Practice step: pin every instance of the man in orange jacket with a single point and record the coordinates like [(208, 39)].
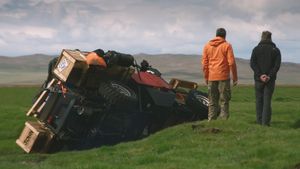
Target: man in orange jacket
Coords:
[(217, 61)]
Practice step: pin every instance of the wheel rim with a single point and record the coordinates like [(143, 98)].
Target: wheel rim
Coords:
[(121, 89), (202, 99)]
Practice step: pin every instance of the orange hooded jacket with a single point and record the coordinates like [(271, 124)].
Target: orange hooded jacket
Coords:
[(218, 60)]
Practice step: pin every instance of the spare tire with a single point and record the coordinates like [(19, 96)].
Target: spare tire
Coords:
[(118, 94), (198, 102)]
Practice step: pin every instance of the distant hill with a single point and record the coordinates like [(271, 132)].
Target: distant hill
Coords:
[(188, 67), (32, 69)]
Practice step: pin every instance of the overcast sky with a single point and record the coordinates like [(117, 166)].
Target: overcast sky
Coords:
[(146, 26)]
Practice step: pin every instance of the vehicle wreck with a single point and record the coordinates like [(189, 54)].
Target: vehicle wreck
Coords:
[(84, 106)]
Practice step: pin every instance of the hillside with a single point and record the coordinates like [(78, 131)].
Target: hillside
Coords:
[(32, 69), (234, 144)]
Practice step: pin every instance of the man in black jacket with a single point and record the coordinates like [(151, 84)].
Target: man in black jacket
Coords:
[(265, 62)]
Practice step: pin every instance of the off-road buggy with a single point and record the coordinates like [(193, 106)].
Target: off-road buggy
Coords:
[(86, 106)]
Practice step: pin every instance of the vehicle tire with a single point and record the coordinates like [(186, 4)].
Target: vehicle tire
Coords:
[(118, 94), (197, 101)]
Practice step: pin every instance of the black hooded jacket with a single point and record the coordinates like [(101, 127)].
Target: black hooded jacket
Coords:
[(265, 59)]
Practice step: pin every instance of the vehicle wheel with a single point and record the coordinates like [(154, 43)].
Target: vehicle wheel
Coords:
[(118, 94), (197, 101)]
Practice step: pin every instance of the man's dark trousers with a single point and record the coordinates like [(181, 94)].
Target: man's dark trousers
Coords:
[(263, 93)]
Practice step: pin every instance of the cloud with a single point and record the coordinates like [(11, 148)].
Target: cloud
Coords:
[(140, 26), (28, 32)]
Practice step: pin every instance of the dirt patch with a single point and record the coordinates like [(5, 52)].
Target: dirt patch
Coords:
[(202, 129), (297, 166), (34, 160)]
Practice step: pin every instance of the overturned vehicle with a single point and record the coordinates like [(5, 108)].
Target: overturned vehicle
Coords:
[(84, 105)]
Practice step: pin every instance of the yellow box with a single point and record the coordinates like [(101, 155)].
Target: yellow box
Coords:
[(35, 138), (71, 66)]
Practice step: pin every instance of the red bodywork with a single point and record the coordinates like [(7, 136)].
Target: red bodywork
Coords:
[(150, 80)]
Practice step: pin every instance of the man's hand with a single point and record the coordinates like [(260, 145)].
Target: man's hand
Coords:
[(267, 79), (264, 78)]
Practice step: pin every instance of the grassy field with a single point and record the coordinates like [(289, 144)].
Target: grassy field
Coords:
[(234, 144)]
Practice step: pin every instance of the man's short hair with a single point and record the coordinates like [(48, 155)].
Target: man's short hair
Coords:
[(266, 35), (221, 32)]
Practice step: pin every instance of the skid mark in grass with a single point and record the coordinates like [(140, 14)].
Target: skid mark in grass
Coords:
[(297, 166), (202, 129), (35, 160)]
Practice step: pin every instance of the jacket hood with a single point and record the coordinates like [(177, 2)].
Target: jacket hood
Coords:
[(217, 41), (266, 42)]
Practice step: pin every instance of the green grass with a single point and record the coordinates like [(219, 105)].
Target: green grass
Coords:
[(237, 143)]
